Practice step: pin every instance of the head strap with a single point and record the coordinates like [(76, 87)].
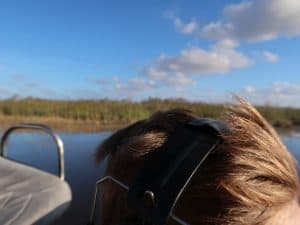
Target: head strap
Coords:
[(169, 170)]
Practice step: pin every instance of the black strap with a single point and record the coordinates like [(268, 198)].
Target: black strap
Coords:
[(168, 171)]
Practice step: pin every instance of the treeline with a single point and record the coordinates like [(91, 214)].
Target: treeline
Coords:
[(113, 112)]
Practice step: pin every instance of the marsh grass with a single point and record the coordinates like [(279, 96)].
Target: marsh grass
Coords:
[(95, 115)]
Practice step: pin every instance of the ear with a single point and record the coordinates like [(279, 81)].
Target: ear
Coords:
[(111, 144)]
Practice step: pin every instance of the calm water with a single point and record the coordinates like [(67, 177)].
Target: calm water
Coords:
[(81, 172)]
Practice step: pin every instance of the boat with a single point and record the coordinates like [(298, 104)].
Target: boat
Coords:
[(28, 195)]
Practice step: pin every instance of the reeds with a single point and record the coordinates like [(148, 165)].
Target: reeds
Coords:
[(108, 112)]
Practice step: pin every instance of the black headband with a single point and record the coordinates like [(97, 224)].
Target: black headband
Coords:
[(169, 170)]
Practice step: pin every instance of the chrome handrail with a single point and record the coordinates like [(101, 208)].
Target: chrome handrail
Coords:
[(124, 186), (40, 127), (100, 181)]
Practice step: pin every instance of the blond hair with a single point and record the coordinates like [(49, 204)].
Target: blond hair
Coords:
[(244, 181)]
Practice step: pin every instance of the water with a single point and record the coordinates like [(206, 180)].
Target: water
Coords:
[(81, 172), (292, 141)]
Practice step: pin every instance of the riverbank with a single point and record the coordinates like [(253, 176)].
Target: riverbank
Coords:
[(70, 125), (101, 115), (60, 124)]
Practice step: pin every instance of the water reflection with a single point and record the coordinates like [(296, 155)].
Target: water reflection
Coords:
[(81, 172)]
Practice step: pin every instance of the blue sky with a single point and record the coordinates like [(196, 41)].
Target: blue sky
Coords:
[(198, 50)]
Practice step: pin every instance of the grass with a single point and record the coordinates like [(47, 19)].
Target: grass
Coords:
[(95, 115)]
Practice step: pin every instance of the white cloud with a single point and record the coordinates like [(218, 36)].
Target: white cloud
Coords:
[(138, 84), (98, 81), (4, 93), (216, 30), (256, 20), (117, 83), (187, 28), (270, 57), (18, 77), (249, 90), (155, 74), (31, 85), (278, 93), (219, 58), (177, 79), (284, 94), (184, 28), (133, 85)]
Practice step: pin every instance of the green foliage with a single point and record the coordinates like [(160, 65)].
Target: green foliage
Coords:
[(124, 111)]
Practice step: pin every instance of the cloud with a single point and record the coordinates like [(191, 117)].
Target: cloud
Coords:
[(24, 80), (283, 94), (176, 70), (98, 81), (270, 57), (184, 28), (31, 84), (176, 79), (138, 84), (124, 88), (4, 92), (278, 93), (18, 77), (133, 85), (256, 20), (179, 80)]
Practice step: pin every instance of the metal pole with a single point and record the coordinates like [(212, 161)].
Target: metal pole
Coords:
[(42, 128)]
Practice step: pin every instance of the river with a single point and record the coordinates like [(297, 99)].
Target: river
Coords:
[(81, 172)]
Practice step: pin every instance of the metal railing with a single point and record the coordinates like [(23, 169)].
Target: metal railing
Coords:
[(106, 178), (38, 127), (125, 187)]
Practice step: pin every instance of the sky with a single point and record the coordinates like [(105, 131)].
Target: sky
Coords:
[(196, 50)]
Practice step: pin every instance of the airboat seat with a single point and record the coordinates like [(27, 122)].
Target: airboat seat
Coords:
[(29, 196)]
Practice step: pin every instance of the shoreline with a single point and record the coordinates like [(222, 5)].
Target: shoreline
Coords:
[(60, 124), (105, 114), (72, 126)]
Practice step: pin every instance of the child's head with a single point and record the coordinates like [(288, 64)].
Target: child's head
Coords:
[(250, 179)]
